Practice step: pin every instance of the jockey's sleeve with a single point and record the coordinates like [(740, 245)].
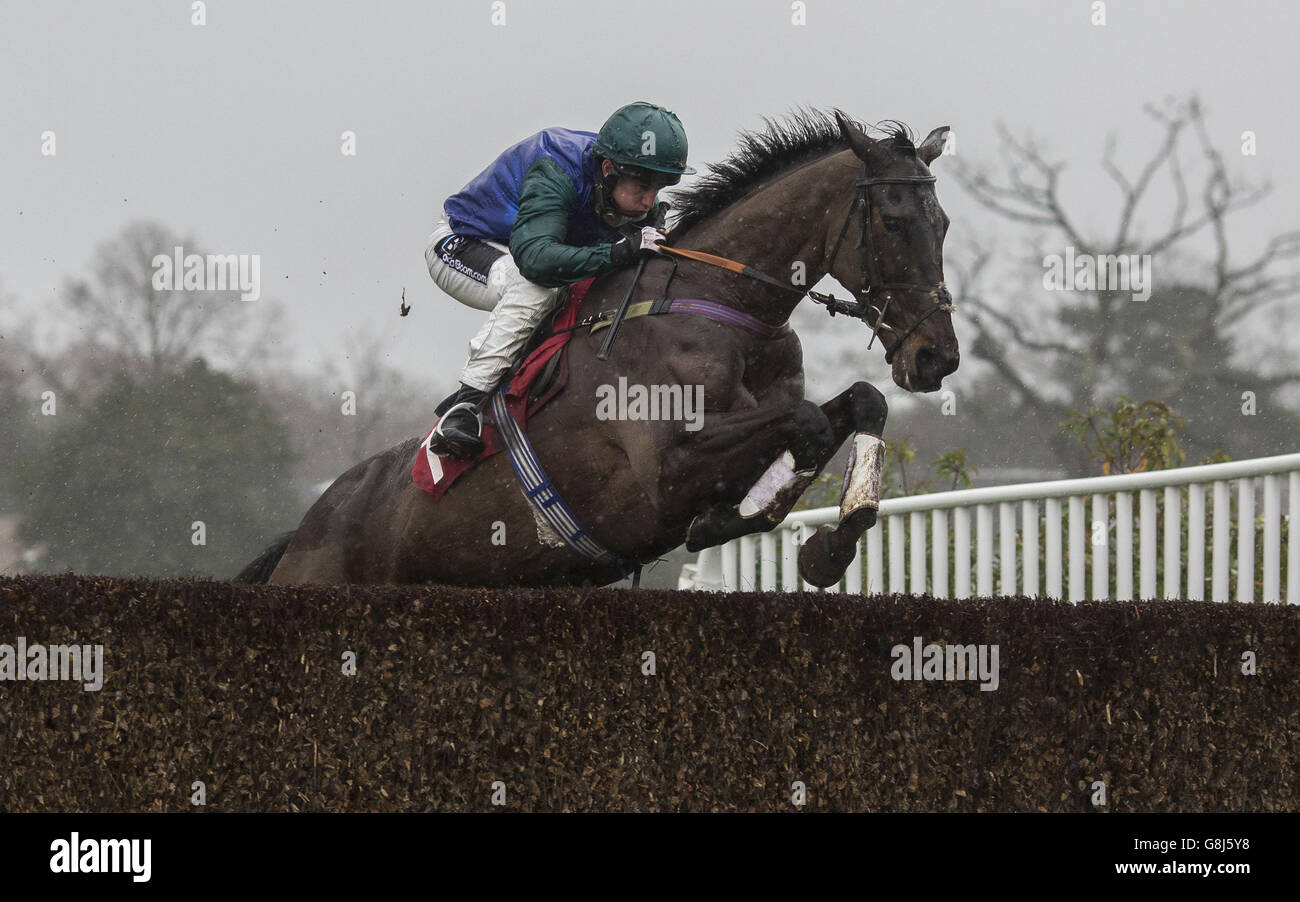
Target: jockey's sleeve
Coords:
[(546, 199)]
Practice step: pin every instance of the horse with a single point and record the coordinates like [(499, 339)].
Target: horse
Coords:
[(783, 203)]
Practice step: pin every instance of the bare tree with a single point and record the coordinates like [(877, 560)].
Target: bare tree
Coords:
[(128, 323), (1087, 346)]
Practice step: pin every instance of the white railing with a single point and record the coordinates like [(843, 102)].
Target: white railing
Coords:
[(1172, 550)]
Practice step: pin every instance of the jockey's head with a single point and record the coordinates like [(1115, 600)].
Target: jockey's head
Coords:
[(639, 150)]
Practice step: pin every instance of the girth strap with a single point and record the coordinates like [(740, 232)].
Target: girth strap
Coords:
[(544, 498), (697, 307)]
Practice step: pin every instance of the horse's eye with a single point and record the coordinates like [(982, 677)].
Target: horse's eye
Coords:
[(893, 223)]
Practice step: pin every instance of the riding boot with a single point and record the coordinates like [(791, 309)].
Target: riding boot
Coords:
[(458, 433)]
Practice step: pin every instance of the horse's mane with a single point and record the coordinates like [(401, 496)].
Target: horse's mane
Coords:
[(797, 138)]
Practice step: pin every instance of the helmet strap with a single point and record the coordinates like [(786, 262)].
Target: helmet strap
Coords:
[(604, 190)]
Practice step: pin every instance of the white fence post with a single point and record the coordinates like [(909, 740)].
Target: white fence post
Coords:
[(790, 536), (746, 576), (1029, 521), (897, 543), (1196, 542), (1100, 541), (876, 559), (1124, 546), (916, 533), (1173, 541), (1292, 542), (939, 553), (1007, 548), (853, 576), (984, 550), (1078, 592), (961, 552), (1147, 544), (767, 560), (1219, 576), (729, 567), (1245, 539), (1272, 541), (1053, 529)]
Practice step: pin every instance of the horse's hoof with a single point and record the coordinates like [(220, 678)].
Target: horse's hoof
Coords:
[(695, 538), (706, 530), (819, 563)]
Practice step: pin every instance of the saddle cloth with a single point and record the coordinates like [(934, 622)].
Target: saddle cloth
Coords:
[(434, 474)]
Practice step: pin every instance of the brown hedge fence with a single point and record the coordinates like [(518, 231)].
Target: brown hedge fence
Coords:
[(544, 700)]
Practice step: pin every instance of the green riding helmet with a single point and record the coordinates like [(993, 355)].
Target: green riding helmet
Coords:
[(642, 136)]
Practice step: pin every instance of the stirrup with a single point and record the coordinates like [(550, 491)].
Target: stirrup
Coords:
[(462, 446), (463, 405)]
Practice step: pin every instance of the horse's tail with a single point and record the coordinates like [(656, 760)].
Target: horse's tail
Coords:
[(260, 570)]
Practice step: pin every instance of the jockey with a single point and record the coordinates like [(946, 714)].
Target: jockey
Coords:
[(554, 209)]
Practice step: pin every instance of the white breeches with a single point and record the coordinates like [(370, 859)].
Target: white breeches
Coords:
[(518, 306)]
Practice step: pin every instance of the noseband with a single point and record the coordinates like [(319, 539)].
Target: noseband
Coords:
[(869, 263)]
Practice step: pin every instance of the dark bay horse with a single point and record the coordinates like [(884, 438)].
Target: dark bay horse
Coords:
[(810, 195)]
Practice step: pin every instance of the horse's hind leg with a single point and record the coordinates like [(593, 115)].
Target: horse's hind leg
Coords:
[(862, 410), (321, 566)]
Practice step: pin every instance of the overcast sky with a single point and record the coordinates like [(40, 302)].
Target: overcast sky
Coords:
[(231, 131)]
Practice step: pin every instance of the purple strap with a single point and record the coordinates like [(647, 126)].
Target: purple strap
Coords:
[(728, 315)]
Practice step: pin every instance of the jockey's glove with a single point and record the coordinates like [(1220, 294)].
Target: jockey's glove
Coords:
[(651, 238), (637, 242), (640, 242)]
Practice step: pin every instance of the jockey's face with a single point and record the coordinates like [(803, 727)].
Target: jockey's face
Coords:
[(634, 197)]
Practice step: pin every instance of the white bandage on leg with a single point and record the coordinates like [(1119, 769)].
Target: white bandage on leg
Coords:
[(862, 475), (773, 490)]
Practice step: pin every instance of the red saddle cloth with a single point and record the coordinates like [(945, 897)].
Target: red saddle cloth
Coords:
[(434, 474)]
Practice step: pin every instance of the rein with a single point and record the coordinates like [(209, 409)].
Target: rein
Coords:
[(869, 264)]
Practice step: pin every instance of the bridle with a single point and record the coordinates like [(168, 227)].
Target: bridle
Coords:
[(869, 263)]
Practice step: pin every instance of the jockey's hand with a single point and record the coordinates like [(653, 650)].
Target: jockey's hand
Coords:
[(637, 242), (622, 252), (651, 239)]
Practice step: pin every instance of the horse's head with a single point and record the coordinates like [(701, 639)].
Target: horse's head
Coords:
[(895, 267)]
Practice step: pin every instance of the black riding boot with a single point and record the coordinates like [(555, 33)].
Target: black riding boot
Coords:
[(457, 433)]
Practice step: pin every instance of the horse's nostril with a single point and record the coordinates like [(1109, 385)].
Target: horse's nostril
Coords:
[(925, 361), (950, 359), (933, 364)]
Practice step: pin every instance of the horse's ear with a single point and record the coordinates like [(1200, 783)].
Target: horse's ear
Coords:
[(856, 137), (933, 145)]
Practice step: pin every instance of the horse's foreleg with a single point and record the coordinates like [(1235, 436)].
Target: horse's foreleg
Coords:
[(815, 435), (811, 442), (861, 410)]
